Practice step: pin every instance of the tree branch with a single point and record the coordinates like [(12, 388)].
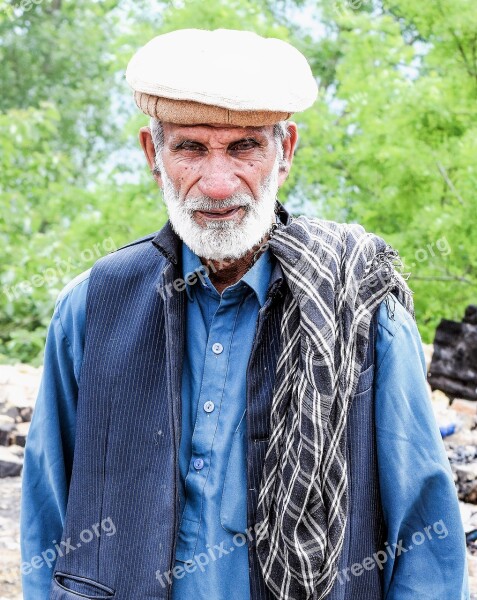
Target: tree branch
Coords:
[(448, 180), (471, 72)]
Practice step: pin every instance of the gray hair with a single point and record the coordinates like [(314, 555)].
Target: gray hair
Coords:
[(280, 133), (157, 133)]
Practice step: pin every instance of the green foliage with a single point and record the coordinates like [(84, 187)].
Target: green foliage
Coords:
[(390, 143), (62, 208), (60, 52), (50, 228)]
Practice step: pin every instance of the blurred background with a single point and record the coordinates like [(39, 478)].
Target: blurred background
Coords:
[(391, 143)]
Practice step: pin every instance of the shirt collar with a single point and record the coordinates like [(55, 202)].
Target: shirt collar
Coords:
[(257, 277)]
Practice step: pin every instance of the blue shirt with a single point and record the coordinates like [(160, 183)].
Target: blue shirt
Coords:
[(219, 331), (426, 541)]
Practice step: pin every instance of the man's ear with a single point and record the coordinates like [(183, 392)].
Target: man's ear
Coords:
[(289, 145), (145, 139)]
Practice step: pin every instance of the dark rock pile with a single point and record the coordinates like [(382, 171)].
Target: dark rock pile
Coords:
[(454, 363), (18, 390)]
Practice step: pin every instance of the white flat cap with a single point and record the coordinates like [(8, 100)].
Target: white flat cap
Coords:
[(192, 76)]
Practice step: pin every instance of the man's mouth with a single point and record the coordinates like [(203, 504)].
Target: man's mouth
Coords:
[(219, 213)]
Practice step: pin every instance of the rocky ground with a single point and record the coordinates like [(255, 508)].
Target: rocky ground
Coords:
[(18, 389), (9, 538)]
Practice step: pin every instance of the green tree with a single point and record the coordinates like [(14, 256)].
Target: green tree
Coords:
[(391, 143), (63, 202)]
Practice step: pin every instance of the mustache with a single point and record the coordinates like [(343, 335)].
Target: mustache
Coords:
[(206, 203)]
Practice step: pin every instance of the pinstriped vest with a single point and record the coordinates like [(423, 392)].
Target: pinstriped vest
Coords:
[(125, 465)]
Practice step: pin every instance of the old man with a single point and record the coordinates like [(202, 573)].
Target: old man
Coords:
[(235, 406)]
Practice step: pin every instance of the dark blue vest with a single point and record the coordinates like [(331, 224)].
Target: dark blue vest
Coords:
[(125, 466)]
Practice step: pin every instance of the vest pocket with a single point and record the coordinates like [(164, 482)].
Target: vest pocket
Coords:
[(365, 381), (69, 587), (233, 504)]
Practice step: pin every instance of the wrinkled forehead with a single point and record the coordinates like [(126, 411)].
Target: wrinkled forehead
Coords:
[(212, 131)]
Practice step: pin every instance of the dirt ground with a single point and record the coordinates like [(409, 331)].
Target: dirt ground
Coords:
[(10, 584)]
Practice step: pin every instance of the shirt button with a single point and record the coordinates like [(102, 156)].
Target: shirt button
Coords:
[(209, 406), (217, 348), (198, 463)]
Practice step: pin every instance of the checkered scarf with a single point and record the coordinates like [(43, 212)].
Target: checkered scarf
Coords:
[(337, 275)]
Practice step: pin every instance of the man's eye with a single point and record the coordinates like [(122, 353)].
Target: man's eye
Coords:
[(244, 145), (190, 146)]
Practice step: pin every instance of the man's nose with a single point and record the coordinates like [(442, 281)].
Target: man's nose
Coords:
[(218, 180)]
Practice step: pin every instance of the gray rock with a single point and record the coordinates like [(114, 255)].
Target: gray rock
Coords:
[(26, 413), (10, 464), (7, 424), (466, 482), (454, 362), (9, 410), (19, 434)]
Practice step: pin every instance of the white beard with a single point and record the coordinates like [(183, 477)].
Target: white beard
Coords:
[(220, 240)]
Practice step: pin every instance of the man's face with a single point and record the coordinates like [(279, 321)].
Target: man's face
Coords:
[(220, 186)]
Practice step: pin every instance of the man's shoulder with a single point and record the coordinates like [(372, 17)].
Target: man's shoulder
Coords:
[(392, 315), (142, 240), (76, 289), (317, 224), (127, 253), (394, 321)]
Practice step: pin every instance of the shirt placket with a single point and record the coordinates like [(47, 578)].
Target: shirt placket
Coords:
[(208, 409)]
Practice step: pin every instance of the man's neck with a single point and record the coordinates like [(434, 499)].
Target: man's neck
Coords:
[(226, 272)]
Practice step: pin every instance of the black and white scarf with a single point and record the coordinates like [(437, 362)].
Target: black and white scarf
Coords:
[(337, 275)]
